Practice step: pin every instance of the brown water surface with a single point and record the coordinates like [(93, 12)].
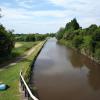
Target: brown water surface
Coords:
[(63, 74)]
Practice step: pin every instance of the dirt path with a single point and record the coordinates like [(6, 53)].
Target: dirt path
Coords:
[(18, 59)]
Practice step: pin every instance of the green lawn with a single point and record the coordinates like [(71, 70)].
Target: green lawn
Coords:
[(10, 76), (20, 49)]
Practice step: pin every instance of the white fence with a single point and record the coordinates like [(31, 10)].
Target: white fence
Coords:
[(27, 90)]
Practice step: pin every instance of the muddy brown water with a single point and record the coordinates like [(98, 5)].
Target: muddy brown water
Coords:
[(61, 73)]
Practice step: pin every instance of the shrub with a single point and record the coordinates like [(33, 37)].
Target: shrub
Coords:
[(77, 41), (97, 54)]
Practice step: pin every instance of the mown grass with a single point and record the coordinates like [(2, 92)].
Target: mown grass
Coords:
[(10, 76), (24, 46), (28, 69), (18, 51)]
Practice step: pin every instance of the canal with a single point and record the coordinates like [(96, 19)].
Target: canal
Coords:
[(60, 73)]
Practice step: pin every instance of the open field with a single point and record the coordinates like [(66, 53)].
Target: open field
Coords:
[(10, 76), (21, 47), (19, 50)]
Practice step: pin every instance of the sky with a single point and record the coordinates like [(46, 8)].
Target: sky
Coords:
[(43, 16)]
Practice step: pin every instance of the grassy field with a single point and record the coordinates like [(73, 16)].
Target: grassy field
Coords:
[(10, 76), (20, 49)]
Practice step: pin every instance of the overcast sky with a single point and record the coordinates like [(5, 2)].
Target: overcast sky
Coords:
[(42, 16)]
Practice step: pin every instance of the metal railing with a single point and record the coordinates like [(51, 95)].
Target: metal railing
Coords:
[(27, 90)]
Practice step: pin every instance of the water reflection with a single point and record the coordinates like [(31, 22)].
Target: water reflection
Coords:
[(79, 61), (60, 72), (75, 59)]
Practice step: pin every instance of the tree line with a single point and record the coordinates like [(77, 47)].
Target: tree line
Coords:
[(32, 37), (8, 39), (86, 40)]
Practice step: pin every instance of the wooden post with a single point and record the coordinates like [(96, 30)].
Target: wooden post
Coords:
[(25, 92)]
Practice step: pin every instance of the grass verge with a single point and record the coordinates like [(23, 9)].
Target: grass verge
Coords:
[(24, 46), (10, 76), (18, 51)]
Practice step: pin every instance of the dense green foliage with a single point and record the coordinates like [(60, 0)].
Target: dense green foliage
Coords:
[(60, 33), (32, 37), (6, 41), (86, 40)]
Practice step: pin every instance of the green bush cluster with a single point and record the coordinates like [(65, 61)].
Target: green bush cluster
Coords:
[(32, 37), (86, 40)]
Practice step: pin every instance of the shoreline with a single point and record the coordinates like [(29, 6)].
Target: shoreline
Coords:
[(65, 43), (29, 71)]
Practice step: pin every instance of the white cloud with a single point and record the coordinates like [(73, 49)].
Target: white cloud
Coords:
[(20, 13), (25, 3), (87, 12), (23, 20), (9, 13), (58, 2)]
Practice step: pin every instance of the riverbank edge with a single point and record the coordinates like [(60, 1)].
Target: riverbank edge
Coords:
[(28, 72), (67, 44)]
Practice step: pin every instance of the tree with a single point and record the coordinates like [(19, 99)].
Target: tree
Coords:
[(70, 28), (77, 41), (73, 25), (96, 35), (6, 41), (30, 37), (91, 30), (39, 37), (60, 33)]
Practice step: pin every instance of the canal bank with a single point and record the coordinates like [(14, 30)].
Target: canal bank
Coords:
[(26, 71), (60, 73), (82, 51)]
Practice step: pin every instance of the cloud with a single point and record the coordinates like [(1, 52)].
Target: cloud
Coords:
[(13, 13), (58, 2), (24, 3), (23, 14), (23, 20)]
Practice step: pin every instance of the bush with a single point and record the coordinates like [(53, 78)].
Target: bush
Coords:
[(77, 41), (97, 54)]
